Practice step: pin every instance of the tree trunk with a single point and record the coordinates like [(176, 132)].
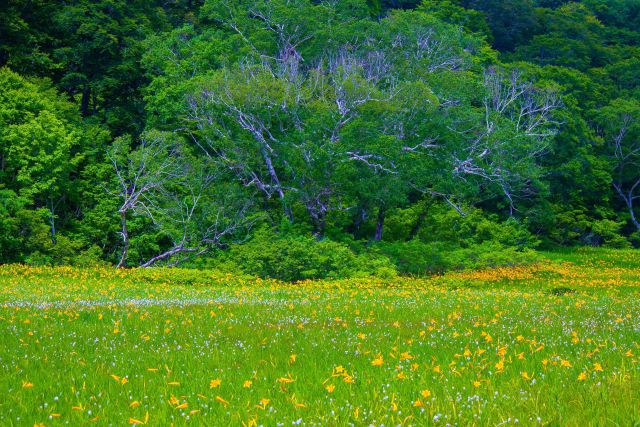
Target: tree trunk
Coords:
[(319, 225), (288, 212), (357, 222), (628, 200), (379, 225), (276, 180), (94, 102), (86, 99), (168, 254), (125, 238), (52, 222), (418, 224), (634, 219)]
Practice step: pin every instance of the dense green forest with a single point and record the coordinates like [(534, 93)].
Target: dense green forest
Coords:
[(301, 139)]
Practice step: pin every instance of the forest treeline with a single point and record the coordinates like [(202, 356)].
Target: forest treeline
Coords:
[(300, 139)]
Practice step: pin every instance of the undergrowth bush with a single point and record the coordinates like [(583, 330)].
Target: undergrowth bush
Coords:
[(475, 228), (420, 258), (294, 257), (450, 241)]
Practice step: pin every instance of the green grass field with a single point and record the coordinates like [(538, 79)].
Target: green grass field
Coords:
[(556, 343)]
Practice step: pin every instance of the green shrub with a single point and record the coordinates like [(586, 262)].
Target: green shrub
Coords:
[(605, 232), (66, 251), (420, 258), (450, 241), (445, 224), (90, 257), (292, 257)]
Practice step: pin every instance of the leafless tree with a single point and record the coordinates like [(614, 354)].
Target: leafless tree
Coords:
[(276, 116), (142, 174), (196, 219), (627, 164), (158, 181), (530, 108), (494, 155)]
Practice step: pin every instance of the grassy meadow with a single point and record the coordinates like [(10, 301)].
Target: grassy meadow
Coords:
[(554, 343)]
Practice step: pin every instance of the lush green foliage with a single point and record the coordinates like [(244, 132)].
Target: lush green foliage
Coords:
[(295, 257), (46, 153), (367, 125), (550, 344)]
